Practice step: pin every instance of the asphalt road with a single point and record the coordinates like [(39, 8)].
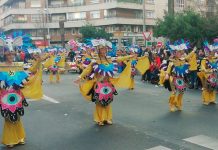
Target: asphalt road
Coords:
[(141, 121)]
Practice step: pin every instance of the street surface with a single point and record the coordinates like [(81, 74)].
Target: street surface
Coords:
[(63, 121)]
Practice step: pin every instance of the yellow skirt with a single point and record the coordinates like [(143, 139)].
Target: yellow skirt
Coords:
[(102, 114), (208, 96), (13, 133), (162, 78)]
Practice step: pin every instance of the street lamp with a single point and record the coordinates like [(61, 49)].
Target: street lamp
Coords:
[(144, 21), (46, 13)]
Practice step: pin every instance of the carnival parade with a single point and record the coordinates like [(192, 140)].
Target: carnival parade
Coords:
[(111, 86)]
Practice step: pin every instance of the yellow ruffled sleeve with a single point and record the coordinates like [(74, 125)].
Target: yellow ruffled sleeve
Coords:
[(124, 79), (49, 62), (33, 88), (143, 64), (86, 85)]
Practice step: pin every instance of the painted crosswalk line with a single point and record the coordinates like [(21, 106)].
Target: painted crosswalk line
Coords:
[(204, 141), (159, 148)]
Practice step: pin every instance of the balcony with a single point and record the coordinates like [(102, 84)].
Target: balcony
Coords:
[(80, 23)]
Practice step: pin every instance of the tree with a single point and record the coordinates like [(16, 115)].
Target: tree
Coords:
[(89, 31), (189, 25)]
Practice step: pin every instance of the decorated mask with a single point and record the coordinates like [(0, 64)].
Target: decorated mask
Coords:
[(211, 82), (179, 84), (104, 93), (11, 103)]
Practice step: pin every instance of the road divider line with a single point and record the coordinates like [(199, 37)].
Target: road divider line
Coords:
[(159, 148), (50, 99), (204, 141)]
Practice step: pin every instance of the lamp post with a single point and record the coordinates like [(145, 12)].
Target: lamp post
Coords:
[(45, 20), (144, 21)]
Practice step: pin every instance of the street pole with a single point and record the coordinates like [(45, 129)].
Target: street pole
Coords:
[(48, 29), (144, 21)]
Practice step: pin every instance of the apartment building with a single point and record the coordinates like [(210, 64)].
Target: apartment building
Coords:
[(41, 18), (123, 18), (205, 7)]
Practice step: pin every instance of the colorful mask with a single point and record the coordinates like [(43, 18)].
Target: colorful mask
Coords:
[(11, 103), (104, 93), (179, 84), (211, 82)]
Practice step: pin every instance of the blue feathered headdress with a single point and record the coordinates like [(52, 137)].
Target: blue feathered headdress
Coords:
[(178, 45)]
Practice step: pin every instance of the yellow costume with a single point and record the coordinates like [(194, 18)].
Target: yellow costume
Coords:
[(13, 132), (54, 65), (176, 71), (104, 113), (142, 64), (207, 71)]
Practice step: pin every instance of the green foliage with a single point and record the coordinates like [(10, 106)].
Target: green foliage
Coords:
[(189, 25), (89, 31)]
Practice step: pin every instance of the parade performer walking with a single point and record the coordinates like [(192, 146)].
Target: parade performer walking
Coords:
[(98, 81), (136, 64), (209, 66), (16, 86), (177, 68), (54, 63)]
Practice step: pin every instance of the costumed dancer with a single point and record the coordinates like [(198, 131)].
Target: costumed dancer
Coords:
[(98, 81), (209, 66), (177, 68), (16, 86), (136, 64), (54, 64)]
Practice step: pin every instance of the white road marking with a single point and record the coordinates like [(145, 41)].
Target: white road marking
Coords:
[(159, 148), (50, 99), (205, 141)]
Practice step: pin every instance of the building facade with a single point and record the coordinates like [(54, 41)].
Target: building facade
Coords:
[(123, 18), (40, 18)]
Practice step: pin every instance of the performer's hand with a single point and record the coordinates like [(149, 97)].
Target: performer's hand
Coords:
[(77, 81), (167, 77), (195, 48)]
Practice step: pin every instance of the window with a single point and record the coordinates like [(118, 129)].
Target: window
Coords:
[(95, 14), (94, 1), (108, 1), (58, 17), (35, 3), (150, 1), (180, 3), (36, 18), (77, 16), (105, 13), (77, 2), (150, 14)]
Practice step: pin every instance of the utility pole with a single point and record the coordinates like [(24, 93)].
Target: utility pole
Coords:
[(48, 21), (61, 24), (171, 7), (144, 21)]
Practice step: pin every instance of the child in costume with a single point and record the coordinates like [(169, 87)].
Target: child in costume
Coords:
[(98, 81), (16, 85), (209, 66), (176, 71), (54, 64)]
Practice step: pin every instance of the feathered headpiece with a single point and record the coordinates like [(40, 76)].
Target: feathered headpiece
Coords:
[(178, 45), (9, 44), (101, 43), (213, 47)]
